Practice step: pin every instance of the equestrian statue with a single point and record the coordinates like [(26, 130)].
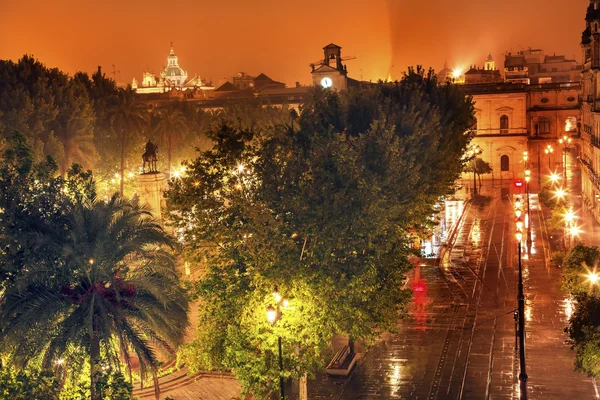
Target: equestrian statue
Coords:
[(150, 157)]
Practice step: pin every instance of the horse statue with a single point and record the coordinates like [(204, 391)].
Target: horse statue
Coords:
[(150, 157)]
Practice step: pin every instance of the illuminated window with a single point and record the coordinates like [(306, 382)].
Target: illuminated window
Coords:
[(504, 124), (571, 124), (544, 125), (504, 163)]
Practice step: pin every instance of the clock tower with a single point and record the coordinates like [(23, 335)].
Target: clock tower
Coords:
[(330, 73)]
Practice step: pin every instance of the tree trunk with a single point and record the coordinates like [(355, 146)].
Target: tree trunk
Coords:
[(156, 384), (122, 163), (65, 165), (169, 154), (94, 359)]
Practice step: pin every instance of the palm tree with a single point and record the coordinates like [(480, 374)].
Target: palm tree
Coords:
[(109, 291), (171, 127), (78, 144), (128, 118)]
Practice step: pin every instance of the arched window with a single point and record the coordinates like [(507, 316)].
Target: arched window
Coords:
[(504, 163), (544, 125), (504, 124)]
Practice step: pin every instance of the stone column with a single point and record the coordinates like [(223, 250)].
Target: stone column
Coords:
[(150, 190)]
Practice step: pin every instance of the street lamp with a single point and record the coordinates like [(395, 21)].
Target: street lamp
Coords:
[(527, 179), (565, 141), (272, 315), (521, 311), (549, 150), (554, 178), (560, 193)]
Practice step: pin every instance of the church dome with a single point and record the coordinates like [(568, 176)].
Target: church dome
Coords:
[(174, 73)]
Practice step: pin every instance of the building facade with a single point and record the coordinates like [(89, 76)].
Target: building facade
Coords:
[(532, 66), (590, 109)]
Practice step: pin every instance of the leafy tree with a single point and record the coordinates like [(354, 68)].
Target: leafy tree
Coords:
[(578, 263), (100, 288), (26, 385), (479, 167), (29, 194), (73, 125), (171, 128), (27, 100), (584, 332), (584, 325), (129, 119), (321, 213)]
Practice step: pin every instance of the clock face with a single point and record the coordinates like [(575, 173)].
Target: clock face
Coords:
[(326, 82)]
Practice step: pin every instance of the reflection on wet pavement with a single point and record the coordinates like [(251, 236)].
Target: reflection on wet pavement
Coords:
[(458, 340)]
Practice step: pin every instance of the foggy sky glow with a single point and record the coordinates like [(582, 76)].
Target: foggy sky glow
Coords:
[(217, 39)]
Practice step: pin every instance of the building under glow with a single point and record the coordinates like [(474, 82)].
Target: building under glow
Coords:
[(172, 78)]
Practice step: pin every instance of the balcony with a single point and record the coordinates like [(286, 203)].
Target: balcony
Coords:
[(594, 178), (497, 132)]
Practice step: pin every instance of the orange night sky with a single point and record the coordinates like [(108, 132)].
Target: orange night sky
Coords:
[(216, 39)]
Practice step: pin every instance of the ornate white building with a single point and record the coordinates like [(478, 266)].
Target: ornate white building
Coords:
[(172, 78)]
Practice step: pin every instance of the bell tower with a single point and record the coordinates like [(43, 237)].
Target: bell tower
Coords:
[(333, 56), (490, 65)]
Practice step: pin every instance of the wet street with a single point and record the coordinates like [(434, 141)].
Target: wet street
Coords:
[(458, 340)]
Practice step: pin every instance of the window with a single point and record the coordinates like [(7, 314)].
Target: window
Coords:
[(544, 125), (504, 163), (571, 124), (504, 124)]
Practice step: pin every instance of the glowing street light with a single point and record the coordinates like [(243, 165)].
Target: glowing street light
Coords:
[(593, 277), (271, 314), (554, 177), (519, 236), (519, 224), (570, 216), (560, 193)]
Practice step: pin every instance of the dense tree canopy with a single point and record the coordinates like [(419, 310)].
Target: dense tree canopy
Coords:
[(322, 214), (89, 281)]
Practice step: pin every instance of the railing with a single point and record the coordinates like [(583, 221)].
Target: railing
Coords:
[(500, 132)]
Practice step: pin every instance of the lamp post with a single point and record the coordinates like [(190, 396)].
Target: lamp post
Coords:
[(521, 314), (549, 150), (273, 314), (565, 141), (521, 304), (527, 179)]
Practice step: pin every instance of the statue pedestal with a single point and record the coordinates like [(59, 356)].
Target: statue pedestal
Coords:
[(150, 190)]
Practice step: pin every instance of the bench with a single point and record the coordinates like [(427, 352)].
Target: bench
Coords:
[(342, 362)]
